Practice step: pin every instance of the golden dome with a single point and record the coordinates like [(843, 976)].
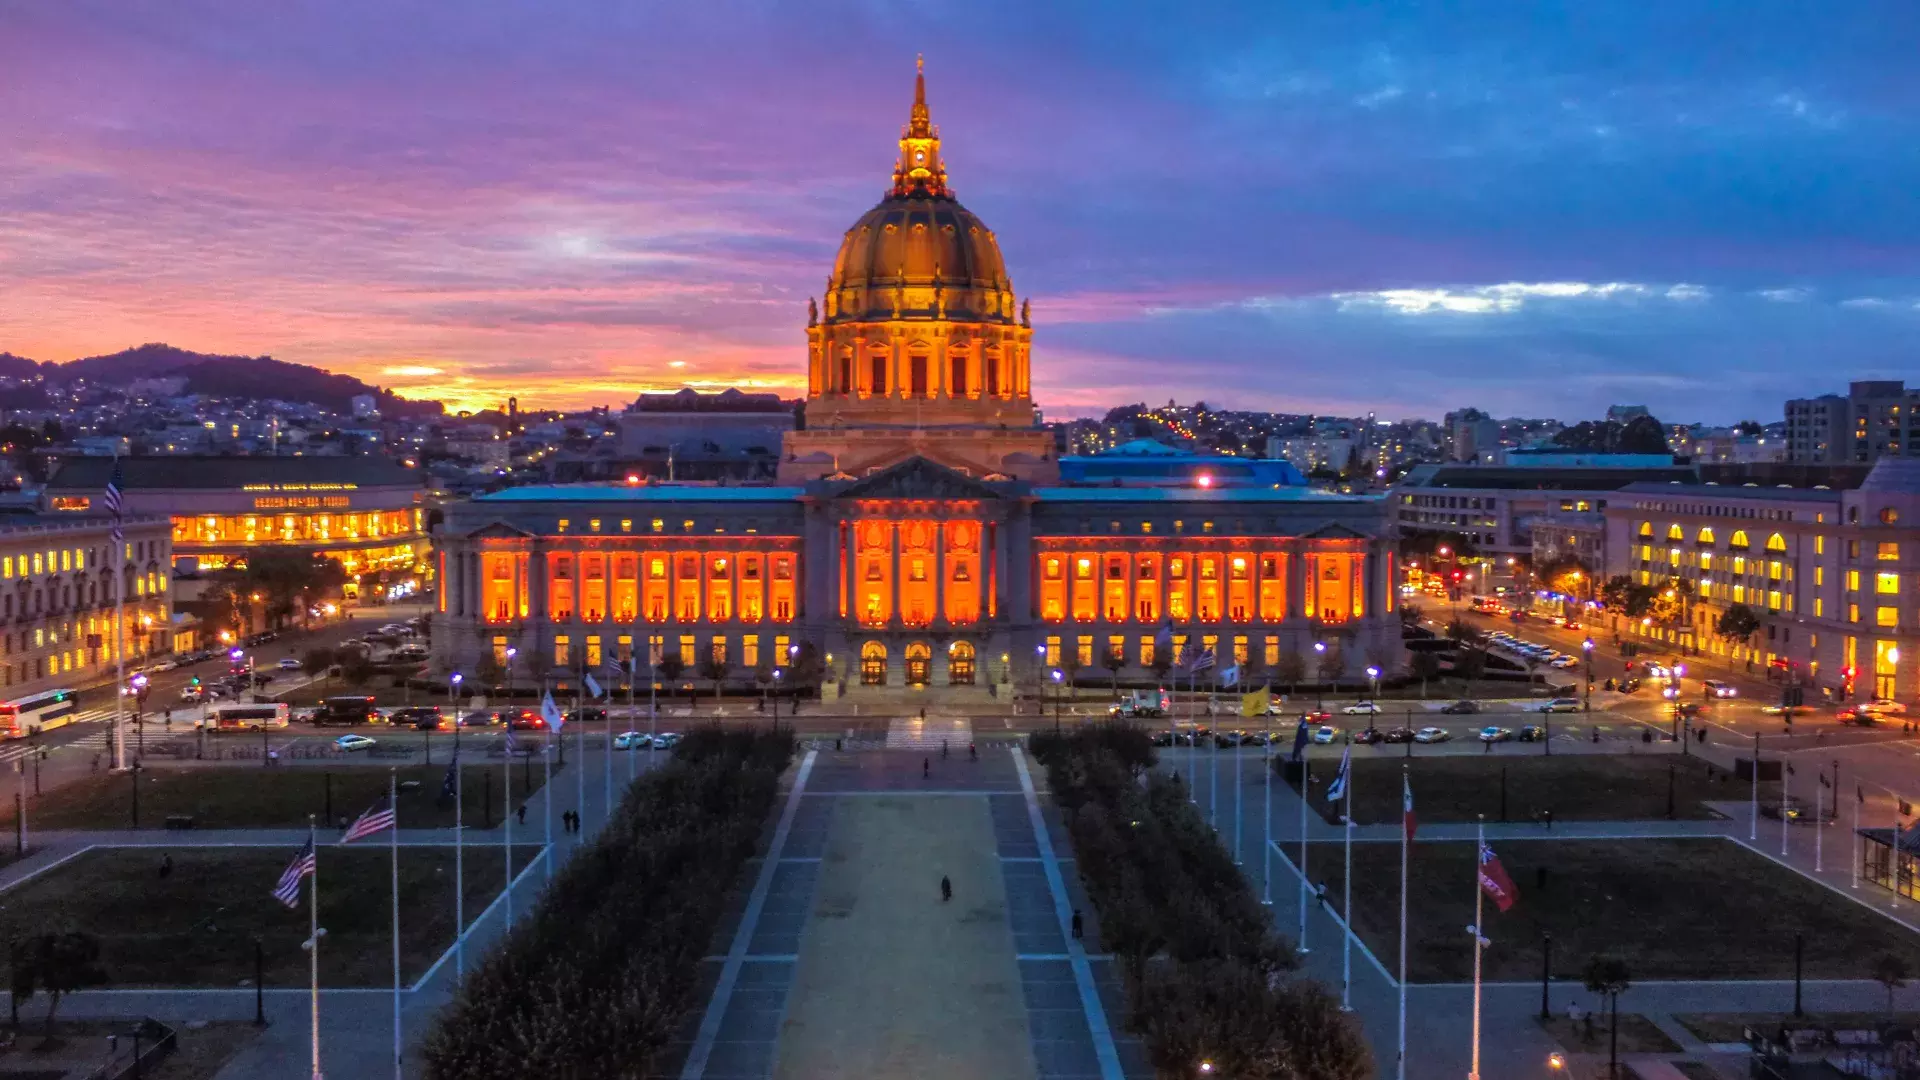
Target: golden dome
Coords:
[(919, 254)]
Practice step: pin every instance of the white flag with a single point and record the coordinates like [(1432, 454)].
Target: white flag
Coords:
[(1338, 789), (551, 713), (593, 687)]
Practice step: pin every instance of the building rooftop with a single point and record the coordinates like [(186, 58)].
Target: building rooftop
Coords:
[(1541, 479), (89, 474), (615, 493), (1734, 491), (1216, 495), (730, 400)]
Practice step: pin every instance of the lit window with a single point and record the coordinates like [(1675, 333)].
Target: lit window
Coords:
[(563, 524), (1886, 584), (1886, 616), (594, 525), (658, 525), (1853, 581), (626, 525)]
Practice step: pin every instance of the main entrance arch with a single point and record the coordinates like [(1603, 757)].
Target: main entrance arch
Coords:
[(960, 659), (873, 664), (919, 663)]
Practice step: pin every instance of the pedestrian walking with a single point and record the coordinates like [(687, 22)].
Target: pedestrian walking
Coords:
[(521, 813), (1077, 925), (943, 749), (166, 866), (1488, 744), (926, 768), (946, 889), (1547, 816), (973, 753)]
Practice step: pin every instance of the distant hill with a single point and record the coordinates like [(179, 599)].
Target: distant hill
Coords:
[(221, 376)]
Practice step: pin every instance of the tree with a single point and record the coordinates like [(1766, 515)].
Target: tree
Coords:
[(1642, 435), (488, 672), (1607, 976), (671, 666), (1410, 614), (1737, 624), (715, 667), (1331, 664), (1470, 664), (1070, 665), (1890, 971), (287, 579), (1426, 665), (1162, 663), (357, 670), (1291, 670), (1113, 659), (56, 962), (318, 662)]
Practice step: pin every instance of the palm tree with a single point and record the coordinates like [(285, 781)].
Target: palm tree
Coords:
[(1607, 976)]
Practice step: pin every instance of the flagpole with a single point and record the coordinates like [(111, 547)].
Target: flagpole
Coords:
[(506, 818), (1786, 782), (1479, 901), (120, 651), (1406, 841), (1305, 777), (393, 848), (1859, 797), (546, 770), (1753, 815), (1213, 784), (1817, 837), (313, 949), (580, 781), (1346, 903), (606, 767), (1193, 734), (1239, 772), (1266, 814), (633, 669)]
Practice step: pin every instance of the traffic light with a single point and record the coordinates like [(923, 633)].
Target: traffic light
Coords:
[(194, 681)]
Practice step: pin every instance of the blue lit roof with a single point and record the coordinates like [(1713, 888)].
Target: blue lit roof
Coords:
[(1286, 493), (617, 493)]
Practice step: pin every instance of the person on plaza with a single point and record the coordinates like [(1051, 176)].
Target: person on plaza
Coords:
[(521, 813), (1077, 924), (973, 753), (926, 768), (946, 889), (166, 865), (943, 749)]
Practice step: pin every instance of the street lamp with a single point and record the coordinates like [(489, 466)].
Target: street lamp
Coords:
[(1056, 700), (1373, 675), (1319, 693), (1586, 647), (511, 653)]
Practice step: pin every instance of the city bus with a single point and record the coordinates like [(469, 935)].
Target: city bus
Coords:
[(355, 709), (23, 716), (247, 717)]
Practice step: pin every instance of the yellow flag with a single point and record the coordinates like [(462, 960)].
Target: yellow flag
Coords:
[(1255, 704)]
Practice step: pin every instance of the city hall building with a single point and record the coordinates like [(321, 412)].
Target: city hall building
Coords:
[(921, 531)]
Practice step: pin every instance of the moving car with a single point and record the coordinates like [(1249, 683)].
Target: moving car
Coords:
[(192, 695), (1362, 708), (288, 663), (1495, 734), (1461, 708), (1431, 735), (1786, 710), (1325, 734), (1716, 688), (1882, 705), (1561, 704), (1397, 735), (1368, 736), (421, 718), (632, 740), (1531, 733), (666, 740), (591, 715), (350, 743), (524, 720)]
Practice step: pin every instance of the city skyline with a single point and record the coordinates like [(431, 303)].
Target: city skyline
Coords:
[(1537, 219)]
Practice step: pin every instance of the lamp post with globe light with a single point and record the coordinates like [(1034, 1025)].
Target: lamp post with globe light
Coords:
[(453, 703), (1319, 680), (1057, 694)]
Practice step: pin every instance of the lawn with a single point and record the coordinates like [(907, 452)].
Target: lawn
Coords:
[(1672, 909), (1638, 1035), (251, 797), (1729, 1027), (196, 926), (1576, 787)]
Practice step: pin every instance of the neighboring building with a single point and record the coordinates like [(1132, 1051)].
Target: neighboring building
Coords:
[(1471, 435), (923, 533), (692, 436), (57, 600), (1723, 446), (366, 512), (365, 407), (1833, 575), (1878, 418), (1495, 508), (1571, 534)]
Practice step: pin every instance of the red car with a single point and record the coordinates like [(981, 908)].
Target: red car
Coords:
[(524, 719)]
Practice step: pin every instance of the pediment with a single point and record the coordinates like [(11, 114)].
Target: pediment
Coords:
[(1334, 530), (498, 530), (918, 478)]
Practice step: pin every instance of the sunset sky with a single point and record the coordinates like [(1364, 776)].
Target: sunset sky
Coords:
[(1318, 206)]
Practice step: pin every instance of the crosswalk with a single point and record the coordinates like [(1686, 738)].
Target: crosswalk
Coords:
[(96, 736)]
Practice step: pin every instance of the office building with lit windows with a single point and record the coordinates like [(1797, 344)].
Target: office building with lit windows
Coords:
[(1833, 576), (57, 600), (921, 532), (366, 512)]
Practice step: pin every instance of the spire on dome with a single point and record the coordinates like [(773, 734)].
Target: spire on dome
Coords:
[(919, 170)]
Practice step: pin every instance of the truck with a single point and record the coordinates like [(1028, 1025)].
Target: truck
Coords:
[(1142, 704)]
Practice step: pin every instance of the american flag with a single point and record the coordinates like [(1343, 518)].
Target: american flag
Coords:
[(1203, 661), (377, 818), (112, 500), (302, 867)]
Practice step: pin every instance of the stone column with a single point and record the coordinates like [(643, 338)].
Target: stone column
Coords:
[(849, 580), (989, 571), (893, 532), (1297, 581), (940, 573)]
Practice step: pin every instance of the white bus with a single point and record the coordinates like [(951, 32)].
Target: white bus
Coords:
[(247, 717), (48, 709)]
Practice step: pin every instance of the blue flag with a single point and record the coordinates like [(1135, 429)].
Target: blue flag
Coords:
[(1300, 739), (1338, 789)]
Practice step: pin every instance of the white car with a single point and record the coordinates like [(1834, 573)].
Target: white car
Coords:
[(1563, 663), (1495, 734), (1325, 734), (1432, 734), (288, 663), (1882, 705), (632, 740), (666, 740), (350, 743), (1362, 708)]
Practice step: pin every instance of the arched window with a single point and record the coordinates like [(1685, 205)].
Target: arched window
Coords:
[(919, 663), (843, 372), (990, 365), (1706, 534), (960, 663), (1776, 542), (1739, 539), (873, 664), (1674, 532), (1646, 528)]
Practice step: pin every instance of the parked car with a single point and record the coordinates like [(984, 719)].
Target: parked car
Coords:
[(1531, 733), (590, 714), (1461, 708), (1368, 736), (1561, 704), (1432, 735), (1325, 734), (1795, 809), (1628, 686), (632, 740), (350, 743), (1362, 708), (1495, 734), (193, 695), (1397, 735), (666, 740)]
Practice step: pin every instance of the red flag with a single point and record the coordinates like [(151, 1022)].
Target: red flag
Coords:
[(1494, 879), (1407, 821)]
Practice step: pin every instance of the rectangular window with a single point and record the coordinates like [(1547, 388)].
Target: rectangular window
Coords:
[(1853, 581), (1083, 650), (1819, 608), (659, 525), (1853, 612), (1887, 551), (623, 649), (1146, 652), (1053, 650), (593, 651), (1886, 584), (1820, 545), (689, 652), (1819, 575), (750, 650), (1271, 653), (563, 525), (1886, 616), (562, 650)]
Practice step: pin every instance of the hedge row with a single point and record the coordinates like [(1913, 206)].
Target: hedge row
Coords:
[(601, 974), (1206, 976)]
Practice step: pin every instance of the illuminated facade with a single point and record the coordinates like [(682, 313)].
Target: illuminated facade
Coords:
[(922, 533), (365, 512), (57, 601)]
